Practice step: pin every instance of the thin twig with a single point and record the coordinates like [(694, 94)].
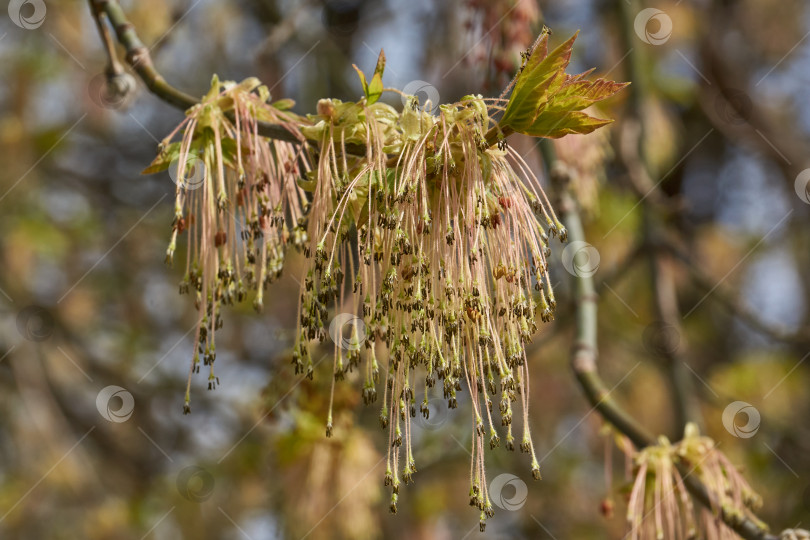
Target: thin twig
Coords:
[(138, 57), (724, 297), (114, 66)]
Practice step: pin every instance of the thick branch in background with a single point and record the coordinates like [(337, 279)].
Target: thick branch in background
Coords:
[(584, 364), (684, 401), (725, 297), (727, 93)]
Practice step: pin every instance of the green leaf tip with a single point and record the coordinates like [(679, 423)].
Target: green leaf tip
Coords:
[(374, 89), (547, 102)]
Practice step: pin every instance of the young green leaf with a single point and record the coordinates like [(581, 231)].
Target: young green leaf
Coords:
[(577, 93), (554, 125), (375, 87), (283, 104), (373, 90), (163, 159), (545, 101), (540, 78), (362, 76)]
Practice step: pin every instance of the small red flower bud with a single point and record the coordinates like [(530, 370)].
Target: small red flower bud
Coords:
[(606, 508)]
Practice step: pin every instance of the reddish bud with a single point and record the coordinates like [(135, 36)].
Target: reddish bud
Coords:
[(606, 508)]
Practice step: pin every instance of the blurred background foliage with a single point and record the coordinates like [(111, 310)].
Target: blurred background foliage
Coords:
[(719, 107)]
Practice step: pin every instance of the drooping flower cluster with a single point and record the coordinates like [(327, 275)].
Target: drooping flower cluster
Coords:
[(444, 231), (450, 269), (238, 199), (428, 227), (660, 506)]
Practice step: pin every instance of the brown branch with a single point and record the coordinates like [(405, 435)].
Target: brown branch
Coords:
[(668, 312), (655, 210), (637, 162), (139, 59), (727, 300), (114, 66), (755, 125)]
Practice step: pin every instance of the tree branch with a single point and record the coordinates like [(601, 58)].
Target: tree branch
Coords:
[(583, 362), (636, 159), (667, 310), (723, 296), (138, 57)]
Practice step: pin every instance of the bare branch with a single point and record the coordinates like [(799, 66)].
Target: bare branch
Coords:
[(138, 57), (723, 296)]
